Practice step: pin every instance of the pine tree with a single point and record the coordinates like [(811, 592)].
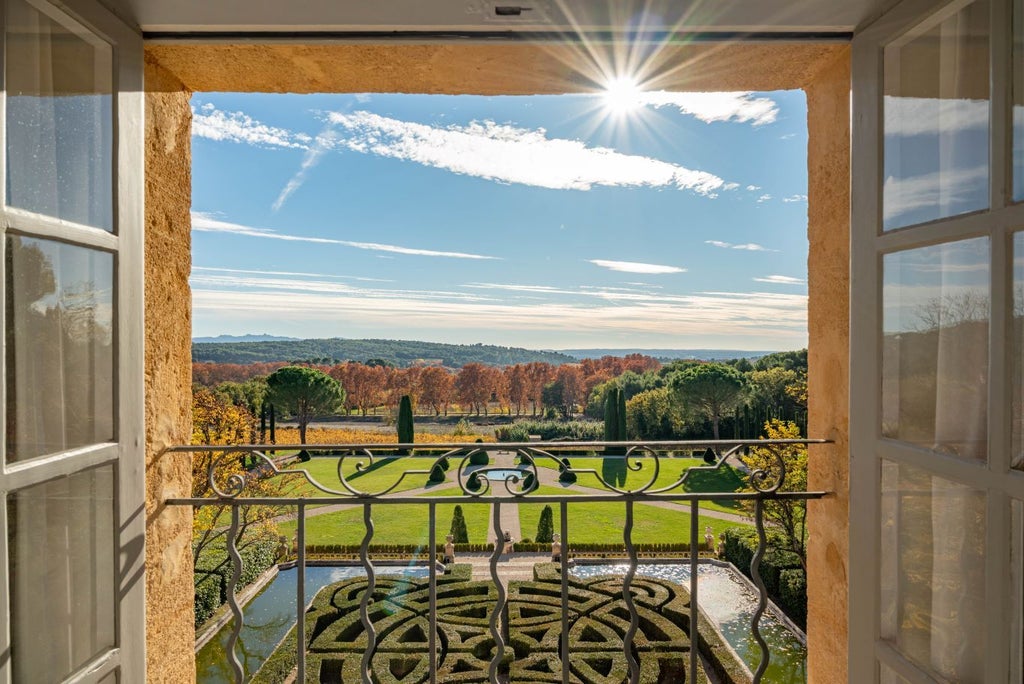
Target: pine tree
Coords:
[(405, 432), (458, 531), (545, 526)]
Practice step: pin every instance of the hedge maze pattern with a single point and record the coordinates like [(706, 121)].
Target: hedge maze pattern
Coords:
[(598, 620)]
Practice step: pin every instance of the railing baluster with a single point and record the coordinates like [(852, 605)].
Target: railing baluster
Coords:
[(627, 596), (694, 614), (762, 598), (236, 575), (371, 585), (432, 629), (499, 605), (300, 594), (564, 513)]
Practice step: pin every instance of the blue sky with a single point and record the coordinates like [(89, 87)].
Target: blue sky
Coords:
[(671, 221)]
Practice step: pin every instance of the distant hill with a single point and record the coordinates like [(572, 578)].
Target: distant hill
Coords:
[(232, 339), (399, 352), (668, 354)]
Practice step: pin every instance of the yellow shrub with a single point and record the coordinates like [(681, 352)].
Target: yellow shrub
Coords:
[(319, 435)]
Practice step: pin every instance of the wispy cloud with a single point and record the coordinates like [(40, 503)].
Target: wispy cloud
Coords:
[(714, 107), (749, 246), (763, 198), (636, 267), (509, 154), (908, 116), (206, 223), (229, 298), (313, 155), (940, 189), (753, 188), (780, 280), (795, 198), (238, 127), (213, 269)]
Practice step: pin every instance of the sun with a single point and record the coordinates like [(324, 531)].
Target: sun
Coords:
[(622, 95)]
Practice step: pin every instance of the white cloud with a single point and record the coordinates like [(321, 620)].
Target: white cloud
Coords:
[(213, 124), (313, 155), (749, 246), (728, 313), (795, 198), (781, 280), (214, 269), (908, 116), (937, 189), (206, 223), (763, 198), (753, 188), (713, 107), (635, 267), (509, 154)]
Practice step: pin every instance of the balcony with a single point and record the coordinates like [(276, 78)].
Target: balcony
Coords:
[(510, 475)]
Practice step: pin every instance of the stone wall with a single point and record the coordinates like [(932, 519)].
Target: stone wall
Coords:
[(828, 381), (170, 653)]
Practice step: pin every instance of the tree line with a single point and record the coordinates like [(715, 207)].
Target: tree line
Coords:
[(680, 400)]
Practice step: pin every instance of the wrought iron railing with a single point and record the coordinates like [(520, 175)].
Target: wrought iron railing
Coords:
[(232, 487)]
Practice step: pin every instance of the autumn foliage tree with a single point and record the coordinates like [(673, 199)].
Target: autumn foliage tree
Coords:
[(436, 389), (473, 386), (789, 516), (217, 421)]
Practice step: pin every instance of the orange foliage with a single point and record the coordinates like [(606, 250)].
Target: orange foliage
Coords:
[(319, 435)]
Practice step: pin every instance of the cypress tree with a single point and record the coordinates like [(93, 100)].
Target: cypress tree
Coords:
[(545, 526), (273, 426), (610, 414), (621, 416), (405, 433), (458, 530)]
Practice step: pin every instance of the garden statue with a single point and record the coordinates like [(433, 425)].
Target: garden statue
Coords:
[(721, 546), (449, 549), (556, 548), (709, 538), (283, 549)]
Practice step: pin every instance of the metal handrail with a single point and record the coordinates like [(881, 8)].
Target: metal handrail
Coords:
[(230, 490)]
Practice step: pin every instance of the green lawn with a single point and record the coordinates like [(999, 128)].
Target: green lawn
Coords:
[(393, 523), (603, 522), (383, 473), (615, 472)]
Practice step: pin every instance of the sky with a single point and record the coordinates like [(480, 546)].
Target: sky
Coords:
[(619, 220)]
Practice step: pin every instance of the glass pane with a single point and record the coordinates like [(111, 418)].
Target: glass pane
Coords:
[(1017, 592), (62, 574), (59, 117), (1017, 412), (891, 677), (933, 572), (936, 120), (60, 362), (935, 347), (1018, 100)]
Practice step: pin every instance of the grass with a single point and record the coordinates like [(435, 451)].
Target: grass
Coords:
[(615, 472), (393, 523), (378, 476), (603, 522)]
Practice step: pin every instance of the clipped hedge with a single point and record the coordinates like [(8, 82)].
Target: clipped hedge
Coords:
[(780, 569), (399, 609), (552, 430), (479, 458), (406, 550), (213, 574)]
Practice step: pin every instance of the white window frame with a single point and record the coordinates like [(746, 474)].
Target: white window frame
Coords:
[(869, 245), (127, 454)]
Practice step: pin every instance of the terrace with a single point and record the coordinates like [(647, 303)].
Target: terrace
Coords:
[(482, 482)]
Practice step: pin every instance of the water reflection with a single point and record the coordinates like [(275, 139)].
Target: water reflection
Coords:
[(936, 120), (731, 603), (269, 616)]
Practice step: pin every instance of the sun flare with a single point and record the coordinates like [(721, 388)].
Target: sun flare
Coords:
[(622, 95)]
